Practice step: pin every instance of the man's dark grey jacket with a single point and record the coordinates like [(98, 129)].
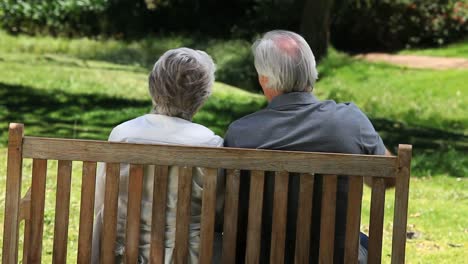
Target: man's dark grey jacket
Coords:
[(298, 121)]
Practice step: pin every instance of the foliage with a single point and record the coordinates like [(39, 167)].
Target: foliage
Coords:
[(397, 24), (50, 16)]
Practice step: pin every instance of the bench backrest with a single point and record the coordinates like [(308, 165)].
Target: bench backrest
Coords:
[(31, 208)]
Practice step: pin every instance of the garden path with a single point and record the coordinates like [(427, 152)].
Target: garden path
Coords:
[(417, 61)]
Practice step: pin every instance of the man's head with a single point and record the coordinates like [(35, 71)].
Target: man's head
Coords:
[(181, 81), (285, 63)]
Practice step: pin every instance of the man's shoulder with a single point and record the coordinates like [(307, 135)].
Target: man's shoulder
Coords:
[(247, 125), (249, 121)]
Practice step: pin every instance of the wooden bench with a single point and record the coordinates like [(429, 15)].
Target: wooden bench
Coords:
[(31, 207)]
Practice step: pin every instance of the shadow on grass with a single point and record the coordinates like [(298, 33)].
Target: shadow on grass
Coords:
[(61, 114)]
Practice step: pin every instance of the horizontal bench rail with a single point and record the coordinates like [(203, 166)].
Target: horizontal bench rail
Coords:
[(228, 158)]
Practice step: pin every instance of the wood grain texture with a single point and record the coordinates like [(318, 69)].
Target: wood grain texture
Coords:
[(229, 158), (85, 235), (109, 227), (27, 239), (278, 226), (304, 217), (25, 206), (230, 216), (254, 225), (39, 172), (353, 219), (62, 211), (158, 224), (13, 193), (327, 222), (25, 214), (400, 217), (184, 194), (135, 186), (208, 215), (376, 220)]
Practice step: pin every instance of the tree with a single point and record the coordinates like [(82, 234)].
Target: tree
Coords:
[(315, 25)]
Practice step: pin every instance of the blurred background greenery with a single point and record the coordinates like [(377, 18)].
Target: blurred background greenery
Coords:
[(77, 68)]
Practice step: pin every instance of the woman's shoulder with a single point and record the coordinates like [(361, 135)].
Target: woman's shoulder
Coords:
[(152, 128)]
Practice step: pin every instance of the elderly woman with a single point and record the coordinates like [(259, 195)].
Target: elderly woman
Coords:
[(179, 84)]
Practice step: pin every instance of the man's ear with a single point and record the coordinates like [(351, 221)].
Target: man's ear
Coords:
[(263, 80)]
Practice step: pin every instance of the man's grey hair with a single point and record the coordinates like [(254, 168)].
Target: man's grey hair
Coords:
[(180, 82), (287, 61)]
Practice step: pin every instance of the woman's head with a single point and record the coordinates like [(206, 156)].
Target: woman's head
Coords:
[(181, 81)]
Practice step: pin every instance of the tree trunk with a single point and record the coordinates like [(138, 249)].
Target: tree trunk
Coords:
[(315, 25)]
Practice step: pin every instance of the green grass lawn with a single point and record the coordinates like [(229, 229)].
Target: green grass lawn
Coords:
[(82, 88), (457, 50)]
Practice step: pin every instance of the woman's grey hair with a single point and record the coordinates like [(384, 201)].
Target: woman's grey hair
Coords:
[(180, 82), (287, 61)]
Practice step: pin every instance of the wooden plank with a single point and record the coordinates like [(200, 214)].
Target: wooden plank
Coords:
[(400, 217), (25, 206), (135, 186), (158, 224), (109, 228), (353, 219), (25, 214), (304, 217), (13, 193), (184, 193), (254, 226), (208, 215), (230, 216), (278, 226), (37, 209), (27, 239), (62, 211), (327, 222), (229, 158), (376, 221), (85, 236)]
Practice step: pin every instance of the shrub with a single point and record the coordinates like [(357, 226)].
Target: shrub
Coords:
[(397, 24), (50, 16)]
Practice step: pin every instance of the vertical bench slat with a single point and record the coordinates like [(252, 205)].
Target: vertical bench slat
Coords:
[(85, 236), (208, 215), (109, 228), (158, 222), (184, 194), (25, 213), (304, 218), (13, 194), (353, 219), (401, 204), (37, 209), (327, 222), (254, 227), (135, 185), (62, 211), (230, 216), (27, 233), (278, 228), (376, 220)]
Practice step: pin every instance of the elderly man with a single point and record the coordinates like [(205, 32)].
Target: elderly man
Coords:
[(296, 120), (179, 85)]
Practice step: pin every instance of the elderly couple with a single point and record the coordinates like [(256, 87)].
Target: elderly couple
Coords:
[(294, 119)]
